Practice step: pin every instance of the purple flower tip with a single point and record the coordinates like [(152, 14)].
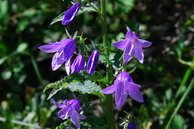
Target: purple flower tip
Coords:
[(78, 64), (124, 86), (132, 46), (63, 51), (92, 61), (70, 13), (70, 109), (131, 126)]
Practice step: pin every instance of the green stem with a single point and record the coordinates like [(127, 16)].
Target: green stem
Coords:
[(184, 80), (107, 103), (36, 69), (180, 103)]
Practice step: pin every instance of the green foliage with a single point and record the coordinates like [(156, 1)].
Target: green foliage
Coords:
[(164, 76), (87, 87)]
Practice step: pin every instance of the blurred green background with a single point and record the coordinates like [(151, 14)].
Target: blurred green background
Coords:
[(165, 76)]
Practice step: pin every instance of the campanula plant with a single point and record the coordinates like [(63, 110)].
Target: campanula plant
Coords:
[(67, 53)]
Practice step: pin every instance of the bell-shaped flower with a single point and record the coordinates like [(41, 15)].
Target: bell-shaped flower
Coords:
[(92, 61), (63, 51), (70, 109), (132, 46), (124, 86), (70, 13), (78, 64)]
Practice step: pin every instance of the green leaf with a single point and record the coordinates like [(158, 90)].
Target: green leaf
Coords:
[(3, 59), (6, 75), (54, 91), (57, 19), (87, 87), (21, 47), (126, 5), (57, 84), (178, 122), (3, 8), (89, 8)]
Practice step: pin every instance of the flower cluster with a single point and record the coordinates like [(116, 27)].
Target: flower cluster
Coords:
[(123, 86), (64, 50)]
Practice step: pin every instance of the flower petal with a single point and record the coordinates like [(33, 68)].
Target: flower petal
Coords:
[(75, 119), (120, 95), (109, 90), (78, 64), (63, 113), (128, 52), (69, 48), (138, 52), (92, 61), (58, 60), (131, 126), (134, 92), (124, 76), (50, 48), (129, 33), (70, 13), (120, 44), (144, 43)]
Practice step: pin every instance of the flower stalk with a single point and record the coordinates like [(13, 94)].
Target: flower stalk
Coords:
[(107, 102)]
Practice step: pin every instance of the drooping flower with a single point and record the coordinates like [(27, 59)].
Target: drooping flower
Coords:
[(78, 64), (70, 13), (92, 61), (70, 109), (63, 51), (131, 126), (122, 87), (132, 46)]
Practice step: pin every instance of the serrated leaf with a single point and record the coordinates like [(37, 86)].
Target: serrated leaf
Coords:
[(90, 8), (53, 92), (57, 84), (87, 87), (57, 19)]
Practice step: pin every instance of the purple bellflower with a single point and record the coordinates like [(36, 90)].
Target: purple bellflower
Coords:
[(70, 109), (122, 87), (70, 13), (132, 46), (78, 64), (92, 61), (131, 126), (63, 51)]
